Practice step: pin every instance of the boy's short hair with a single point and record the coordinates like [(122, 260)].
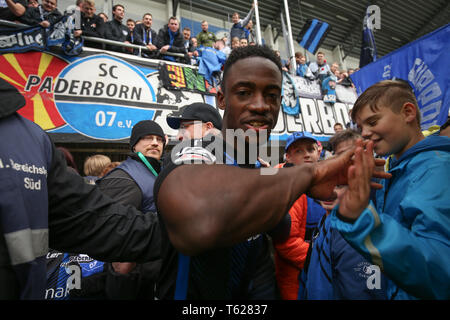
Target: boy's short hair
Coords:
[(342, 136), (387, 93)]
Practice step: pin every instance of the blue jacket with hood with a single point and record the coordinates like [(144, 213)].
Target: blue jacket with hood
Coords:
[(408, 234)]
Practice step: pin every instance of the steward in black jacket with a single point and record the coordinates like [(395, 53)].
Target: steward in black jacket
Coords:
[(55, 208)]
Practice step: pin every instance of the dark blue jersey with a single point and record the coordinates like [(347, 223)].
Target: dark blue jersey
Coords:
[(243, 271)]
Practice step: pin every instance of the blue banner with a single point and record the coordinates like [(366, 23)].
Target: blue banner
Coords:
[(425, 64)]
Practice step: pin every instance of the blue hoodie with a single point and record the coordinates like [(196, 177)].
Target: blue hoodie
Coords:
[(408, 234)]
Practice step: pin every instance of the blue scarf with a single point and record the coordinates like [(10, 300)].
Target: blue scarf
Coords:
[(172, 36)]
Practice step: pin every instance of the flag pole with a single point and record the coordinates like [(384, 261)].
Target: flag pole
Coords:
[(292, 64), (258, 26)]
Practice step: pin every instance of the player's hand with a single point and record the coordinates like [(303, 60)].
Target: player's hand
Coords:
[(334, 171), (356, 198)]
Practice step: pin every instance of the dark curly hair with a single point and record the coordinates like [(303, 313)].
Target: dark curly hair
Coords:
[(246, 52)]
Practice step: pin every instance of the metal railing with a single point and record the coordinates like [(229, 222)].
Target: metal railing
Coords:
[(100, 40)]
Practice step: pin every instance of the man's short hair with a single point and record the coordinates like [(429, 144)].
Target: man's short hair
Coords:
[(147, 14), (173, 18), (342, 136), (298, 54), (320, 52), (204, 21), (387, 93), (117, 5), (131, 20), (247, 52)]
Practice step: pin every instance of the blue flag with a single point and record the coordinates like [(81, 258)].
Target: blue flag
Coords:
[(425, 64), (313, 34), (368, 48)]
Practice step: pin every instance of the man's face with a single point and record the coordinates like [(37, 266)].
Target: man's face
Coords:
[(388, 130), (235, 18), (191, 129), (320, 58), (119, 13), (205, 26), (243, 42), (173, 25), (88, 10), (150, 146), (303, 151), (186, 34), (252, 95), (49, 5), (147, 21)]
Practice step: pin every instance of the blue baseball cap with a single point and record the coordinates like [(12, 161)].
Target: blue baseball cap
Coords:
[(297, 136)]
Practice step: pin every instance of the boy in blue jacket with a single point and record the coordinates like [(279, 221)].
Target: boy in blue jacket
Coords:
[(407, 234)]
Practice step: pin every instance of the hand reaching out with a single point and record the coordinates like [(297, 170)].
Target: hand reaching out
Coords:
[(356, 198), (335, 171)]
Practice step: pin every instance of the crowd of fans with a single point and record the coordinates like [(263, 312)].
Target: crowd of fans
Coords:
[(169, 39), (209, 231)]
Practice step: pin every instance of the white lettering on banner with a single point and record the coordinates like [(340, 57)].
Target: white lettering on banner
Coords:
[(386, 72), (426, 91), (326, 117), (341, 113), (309, 115), (294, 123), (20, 39), (319, 118)]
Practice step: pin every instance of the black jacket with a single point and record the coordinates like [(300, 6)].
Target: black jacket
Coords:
[(115, 30), (35, 16), (6, 13), (164, 39), (142, 37), (92, 27), (140, 282)]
